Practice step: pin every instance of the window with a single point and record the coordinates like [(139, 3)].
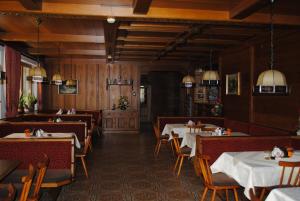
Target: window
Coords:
[(143, 95), (27, 86)]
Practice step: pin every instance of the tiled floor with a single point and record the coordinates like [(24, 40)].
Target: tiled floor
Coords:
[(123, 168)]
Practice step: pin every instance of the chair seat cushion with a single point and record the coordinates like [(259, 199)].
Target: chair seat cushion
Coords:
[(221, 179), (57, 175), (185, 150), (52, 175)]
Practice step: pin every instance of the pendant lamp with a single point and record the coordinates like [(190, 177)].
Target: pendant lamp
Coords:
[(56, 78), (271, 82), (188, 81), (210, 77), (38, 73)]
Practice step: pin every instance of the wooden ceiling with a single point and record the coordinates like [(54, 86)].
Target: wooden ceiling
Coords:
[(145, 30)]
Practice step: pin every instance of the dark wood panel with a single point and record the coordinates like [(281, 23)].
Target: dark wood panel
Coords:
[(237, 107)]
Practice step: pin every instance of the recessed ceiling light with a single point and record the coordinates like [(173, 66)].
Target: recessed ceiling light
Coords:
[(111, 20), (109, 56)]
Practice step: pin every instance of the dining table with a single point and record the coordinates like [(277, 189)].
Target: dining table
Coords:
[(46, 135), (286, 194), (7, 166), (252, 168), (180, 129)]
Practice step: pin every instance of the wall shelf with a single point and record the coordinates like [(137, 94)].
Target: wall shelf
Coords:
[(119, 82)]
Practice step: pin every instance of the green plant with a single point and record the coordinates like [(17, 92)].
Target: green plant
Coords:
[(21, 101), (123, 102), (29, 100)]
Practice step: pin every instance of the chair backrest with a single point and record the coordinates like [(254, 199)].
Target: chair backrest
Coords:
[(41, 172), (156, 131), (176, 142), (205, 169), (27, 181), (288, 169), (253, 196), (86, 144)]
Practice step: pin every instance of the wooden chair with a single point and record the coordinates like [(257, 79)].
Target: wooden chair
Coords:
[(253, 196), (27, 182), (182, 153), (288, 171), (41, 172), (11, 192), (83, 154), (216, 182), (160, 139)]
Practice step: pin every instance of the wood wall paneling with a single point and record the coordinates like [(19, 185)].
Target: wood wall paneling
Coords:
[(237, 107), (91, 75), (275, 111)]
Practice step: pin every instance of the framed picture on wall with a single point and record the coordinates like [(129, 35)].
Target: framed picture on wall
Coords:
[(233, 82), (68, 87)]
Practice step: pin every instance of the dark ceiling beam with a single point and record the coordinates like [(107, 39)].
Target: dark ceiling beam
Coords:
[(141, 6), (246, 8), (32, 4), (101, 12)]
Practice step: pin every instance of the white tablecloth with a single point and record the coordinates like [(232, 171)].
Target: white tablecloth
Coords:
[(251, 169), (189, 139), (284, 194), (48, 135), (180, 129)]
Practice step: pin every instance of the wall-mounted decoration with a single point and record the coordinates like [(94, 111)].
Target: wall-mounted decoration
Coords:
[(66, 88), (233, 84)]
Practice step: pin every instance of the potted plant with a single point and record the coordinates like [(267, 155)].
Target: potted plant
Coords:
[(21, 104), (29, 102), (123, 103)]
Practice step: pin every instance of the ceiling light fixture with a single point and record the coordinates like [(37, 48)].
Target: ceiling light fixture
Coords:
[(271, 82), (56, 78), (111, 20), (210, 77), (38, 73)]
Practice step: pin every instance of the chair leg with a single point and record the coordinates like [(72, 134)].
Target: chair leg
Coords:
[(158, 148), (262, 194), (204, 194), (180, 165), (172, 148), (84, 167), (213, 197), (178, 157), (226, 192), (91, 146), (236, 198)]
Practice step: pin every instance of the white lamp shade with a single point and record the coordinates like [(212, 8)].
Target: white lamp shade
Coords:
[(271, 78), (56, 77), (38, 72), (211, 75), (188, 80)]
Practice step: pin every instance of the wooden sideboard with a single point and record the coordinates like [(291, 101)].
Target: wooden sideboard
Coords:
[(118, 121)]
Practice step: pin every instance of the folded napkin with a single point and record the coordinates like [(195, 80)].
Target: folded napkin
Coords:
[(277, 152), (190, 123), (60, 111), (69, 112)]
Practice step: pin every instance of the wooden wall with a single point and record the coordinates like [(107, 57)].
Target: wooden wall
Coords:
[(93, 93), (275, 111)]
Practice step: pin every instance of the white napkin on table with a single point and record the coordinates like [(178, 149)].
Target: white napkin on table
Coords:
[(60, 111), (277, 153), (190, 123)]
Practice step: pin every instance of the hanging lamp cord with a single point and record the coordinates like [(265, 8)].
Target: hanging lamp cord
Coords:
[(210, 58), (38, 22), (272, 36)]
